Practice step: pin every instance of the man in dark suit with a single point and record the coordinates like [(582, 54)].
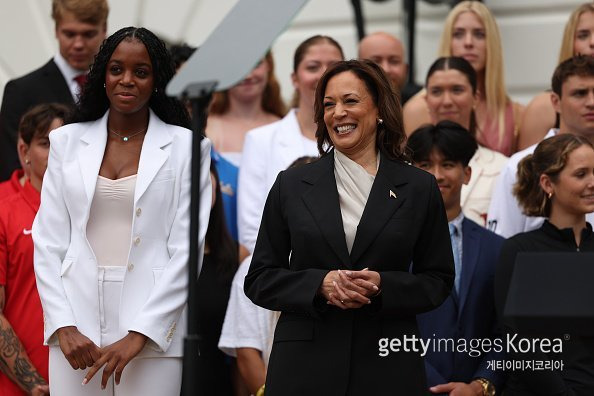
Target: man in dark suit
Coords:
[(80, 29), (445, 150)]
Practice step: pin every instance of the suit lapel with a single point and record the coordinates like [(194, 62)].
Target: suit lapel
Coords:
[(90, 157), (55, 82), (387, 194), (322, 202), (152, 157), (470, 252)]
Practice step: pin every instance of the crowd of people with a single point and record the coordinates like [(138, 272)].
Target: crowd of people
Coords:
[(364, 211)]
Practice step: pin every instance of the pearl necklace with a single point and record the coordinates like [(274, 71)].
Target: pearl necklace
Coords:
[(126, 138)]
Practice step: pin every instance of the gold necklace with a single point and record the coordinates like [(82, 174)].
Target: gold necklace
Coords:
[(126, 138)]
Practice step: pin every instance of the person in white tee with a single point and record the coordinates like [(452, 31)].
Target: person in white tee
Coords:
[(573, 99)]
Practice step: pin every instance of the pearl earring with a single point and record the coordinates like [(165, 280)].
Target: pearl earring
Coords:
[(380, 121)]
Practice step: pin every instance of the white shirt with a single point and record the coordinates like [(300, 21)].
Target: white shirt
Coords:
[(69, 73), (505, 215), (475, 196), (246, 325)]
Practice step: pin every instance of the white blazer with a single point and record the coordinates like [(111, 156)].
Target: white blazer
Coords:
[(267, 150), (154, 291)]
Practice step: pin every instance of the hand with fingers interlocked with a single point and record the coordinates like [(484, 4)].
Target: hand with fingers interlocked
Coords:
[(350, 289)]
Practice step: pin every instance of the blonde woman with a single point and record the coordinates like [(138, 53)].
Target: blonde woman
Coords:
[(578, 38), (471, 32)]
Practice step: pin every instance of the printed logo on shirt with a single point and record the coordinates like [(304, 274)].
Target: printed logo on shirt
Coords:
[(227, 189), (27, 232)]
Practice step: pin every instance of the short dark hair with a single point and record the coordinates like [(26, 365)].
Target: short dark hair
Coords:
[(94, 102), (180, 53), (390, 136), (579, 65), (306, 159), (452, 140), (36, 121)]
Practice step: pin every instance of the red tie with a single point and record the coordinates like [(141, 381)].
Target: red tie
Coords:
[(81, 79)]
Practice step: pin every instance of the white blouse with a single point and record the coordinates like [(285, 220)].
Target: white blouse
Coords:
[(354, 185)]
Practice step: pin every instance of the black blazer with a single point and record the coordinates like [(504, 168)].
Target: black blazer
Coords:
[(43, 85), (322, 350)]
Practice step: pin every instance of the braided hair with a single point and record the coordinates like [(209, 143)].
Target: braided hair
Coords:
[(93, 102)]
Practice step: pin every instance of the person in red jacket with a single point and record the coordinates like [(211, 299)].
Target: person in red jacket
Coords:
[(23, 358)]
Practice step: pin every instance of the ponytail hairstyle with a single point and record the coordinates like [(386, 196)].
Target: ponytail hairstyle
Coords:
[(549, 158)]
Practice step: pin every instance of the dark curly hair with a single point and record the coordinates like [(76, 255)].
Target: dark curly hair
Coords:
[(390, 137), (94, 103)]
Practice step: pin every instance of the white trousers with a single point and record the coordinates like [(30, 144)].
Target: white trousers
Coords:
[(146, 376)]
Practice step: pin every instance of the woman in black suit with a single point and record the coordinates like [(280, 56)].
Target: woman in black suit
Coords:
[(336, 244), (556, 182)]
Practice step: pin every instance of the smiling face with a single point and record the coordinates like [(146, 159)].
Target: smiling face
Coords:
[(253, 85), (350, 115), (315, 61), (469, 40), (78, 41), (449, 97), (129, 78), (583, 42), (573, 189), (450, 176)]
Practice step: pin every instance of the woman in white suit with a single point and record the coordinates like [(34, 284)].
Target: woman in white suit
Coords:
[(272, 148), (111, 235)]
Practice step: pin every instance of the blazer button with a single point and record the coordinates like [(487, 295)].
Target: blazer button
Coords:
[(138, 212), (137, 241), (130, 267)]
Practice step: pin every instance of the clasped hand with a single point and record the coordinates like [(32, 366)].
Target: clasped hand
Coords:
[(350, 289), (81, 353)]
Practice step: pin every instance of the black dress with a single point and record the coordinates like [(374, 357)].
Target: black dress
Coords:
[(577, 376), (213, 297)]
